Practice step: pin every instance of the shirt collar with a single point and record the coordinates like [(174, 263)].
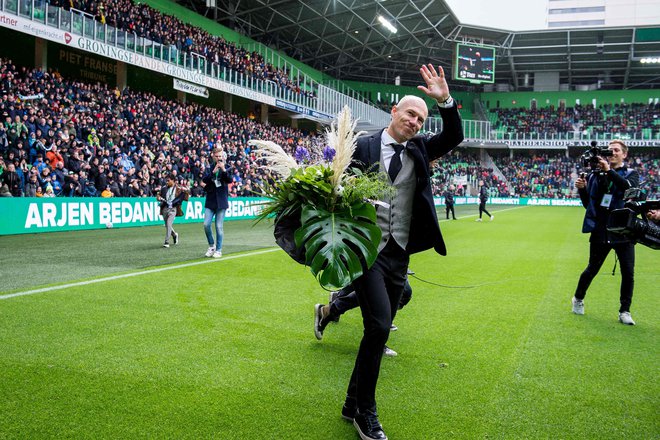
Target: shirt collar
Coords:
[(386, 139)]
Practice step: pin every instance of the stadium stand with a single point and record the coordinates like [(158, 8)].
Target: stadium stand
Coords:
[(149, 23), (634, 120), (80, 139)]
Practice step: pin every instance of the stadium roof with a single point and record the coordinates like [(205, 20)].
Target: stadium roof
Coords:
[(345, 39)]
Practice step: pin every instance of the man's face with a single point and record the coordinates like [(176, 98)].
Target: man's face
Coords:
[(618, 155), (170, 183), (407, 119)]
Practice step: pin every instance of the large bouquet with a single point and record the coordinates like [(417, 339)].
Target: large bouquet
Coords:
[(323, 214)]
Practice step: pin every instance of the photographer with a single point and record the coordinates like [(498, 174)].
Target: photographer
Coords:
[(601, 193)]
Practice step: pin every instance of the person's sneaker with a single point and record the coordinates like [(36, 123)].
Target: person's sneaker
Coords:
[(478, 220), (578, 306), (349, 409), (319, 326), (210, 251), (393, 328), (625, 318), (387, 351), (217, 254), (175, 237), (368, 426), (492, 217), (166, 245)]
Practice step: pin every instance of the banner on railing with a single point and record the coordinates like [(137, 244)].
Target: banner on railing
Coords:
[(190, 88), (32, 215)]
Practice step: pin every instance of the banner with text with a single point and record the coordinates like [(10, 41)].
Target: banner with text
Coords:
[(33, 215), (440, 201)]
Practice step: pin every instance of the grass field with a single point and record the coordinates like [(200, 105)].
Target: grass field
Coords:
[(225, 349)]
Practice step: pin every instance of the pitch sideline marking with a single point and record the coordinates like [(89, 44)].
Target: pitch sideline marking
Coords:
[(133, 274), (475, 215), (163, 269)]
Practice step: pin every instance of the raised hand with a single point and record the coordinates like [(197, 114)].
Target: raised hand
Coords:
[(436, 84)]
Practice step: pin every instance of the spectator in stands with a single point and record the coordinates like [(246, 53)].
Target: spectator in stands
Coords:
[(12, 180)]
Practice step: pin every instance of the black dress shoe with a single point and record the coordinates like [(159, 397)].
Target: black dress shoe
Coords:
[(349, 409), (368, 426)]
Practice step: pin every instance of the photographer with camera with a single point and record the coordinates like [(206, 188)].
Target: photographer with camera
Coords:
[(601, 192)]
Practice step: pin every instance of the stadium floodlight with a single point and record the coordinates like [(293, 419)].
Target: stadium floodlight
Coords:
[(385, 22), (650, 60)]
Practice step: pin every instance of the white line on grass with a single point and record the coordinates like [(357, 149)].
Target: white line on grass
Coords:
[(163, 269), (134, 274), (474, 215)]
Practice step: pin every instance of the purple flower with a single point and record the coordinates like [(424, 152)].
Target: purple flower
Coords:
[(301, 155), (329, 154)]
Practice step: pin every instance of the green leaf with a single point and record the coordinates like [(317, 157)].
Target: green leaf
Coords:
[(339, 245)]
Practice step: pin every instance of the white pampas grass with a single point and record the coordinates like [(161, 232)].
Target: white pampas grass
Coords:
[(277, 160), (342, 137)]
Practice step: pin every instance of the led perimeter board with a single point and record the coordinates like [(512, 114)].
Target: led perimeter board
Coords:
[(475, 64)]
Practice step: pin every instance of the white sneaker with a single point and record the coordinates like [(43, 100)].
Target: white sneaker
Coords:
[(165, 245), (387, 351), (478, 220), (210, 251), (393, 328), (492, 217), (578, 306), (217, 254), (175, 236), (625, 318)]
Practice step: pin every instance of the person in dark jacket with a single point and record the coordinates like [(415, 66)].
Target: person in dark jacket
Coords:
[(483, 198), (215, 183), (449, 202), (408, 223), (601, 193), (12, 180)]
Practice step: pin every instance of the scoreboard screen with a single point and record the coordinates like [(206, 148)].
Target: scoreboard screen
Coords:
[(475, 64)]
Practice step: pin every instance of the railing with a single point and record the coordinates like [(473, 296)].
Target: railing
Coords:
[(307, 90)]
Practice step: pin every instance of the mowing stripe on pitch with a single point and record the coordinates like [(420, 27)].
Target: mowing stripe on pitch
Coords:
[(475, 215), (134, 274)]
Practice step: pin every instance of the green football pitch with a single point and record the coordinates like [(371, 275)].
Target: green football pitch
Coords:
[(105, 334)]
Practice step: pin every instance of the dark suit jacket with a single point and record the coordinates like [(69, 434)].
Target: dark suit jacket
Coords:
[(424, 229), (217, 198)]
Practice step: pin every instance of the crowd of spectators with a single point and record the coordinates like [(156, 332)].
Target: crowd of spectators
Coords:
[(539, 175), (179, 37), (634, 120), (69, 138)]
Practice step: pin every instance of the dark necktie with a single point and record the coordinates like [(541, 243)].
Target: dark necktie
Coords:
[(395, 162)]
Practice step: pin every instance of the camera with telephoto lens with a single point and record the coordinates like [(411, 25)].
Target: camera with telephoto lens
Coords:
[(590, 157), (631, 222)]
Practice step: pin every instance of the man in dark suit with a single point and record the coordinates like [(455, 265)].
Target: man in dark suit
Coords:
[(409, 224)]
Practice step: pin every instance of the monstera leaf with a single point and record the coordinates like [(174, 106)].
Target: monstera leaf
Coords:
[(339, 245)]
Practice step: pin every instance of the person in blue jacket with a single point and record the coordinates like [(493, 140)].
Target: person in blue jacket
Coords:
[(215, 183)]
